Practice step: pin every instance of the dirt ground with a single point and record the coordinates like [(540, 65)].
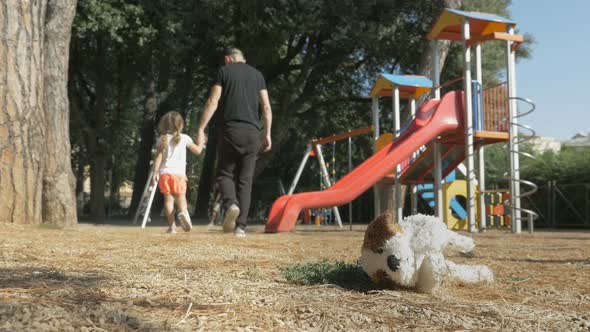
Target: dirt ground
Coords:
[(111, 278)]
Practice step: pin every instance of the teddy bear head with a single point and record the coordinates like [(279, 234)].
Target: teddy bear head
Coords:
[(386, 253)]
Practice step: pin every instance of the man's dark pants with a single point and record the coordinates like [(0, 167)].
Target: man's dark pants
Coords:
[(237, 161)]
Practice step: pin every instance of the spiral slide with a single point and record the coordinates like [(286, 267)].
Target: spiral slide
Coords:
[(434, 118)]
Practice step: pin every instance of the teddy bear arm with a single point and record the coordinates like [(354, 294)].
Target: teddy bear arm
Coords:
[(430, 273)]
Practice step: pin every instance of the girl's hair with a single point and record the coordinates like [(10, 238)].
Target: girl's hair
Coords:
[(170, 124)]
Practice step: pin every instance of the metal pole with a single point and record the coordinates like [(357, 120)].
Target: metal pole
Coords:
[(375, 109), (413, 188), (146, 216), (438, 193), (470, 176), (435, 68), (145, 190), (300, 169), (513, 143), (350, 170), (326, 180), (398, 168), (554, 203), (481, 173)]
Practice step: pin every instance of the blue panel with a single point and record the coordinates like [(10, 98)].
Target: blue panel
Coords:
[(476, 102), (426, 186), (408, 80), (458, 209), (481, 16), (451, 177)]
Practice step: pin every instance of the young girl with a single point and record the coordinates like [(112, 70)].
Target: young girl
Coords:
[(170, 168)]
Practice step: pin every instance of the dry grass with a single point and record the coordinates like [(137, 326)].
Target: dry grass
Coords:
[(97, 278)]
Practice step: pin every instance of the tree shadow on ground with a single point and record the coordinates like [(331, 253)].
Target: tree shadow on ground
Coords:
[(50, 299), (27, 278)]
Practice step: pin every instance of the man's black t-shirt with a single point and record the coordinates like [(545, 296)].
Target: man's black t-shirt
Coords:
[(240, 86)]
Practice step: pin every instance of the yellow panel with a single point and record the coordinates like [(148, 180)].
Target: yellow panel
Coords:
[(450, 190), (381, 142), (420, 91), (492, 27), (381, 84), (446, 19)]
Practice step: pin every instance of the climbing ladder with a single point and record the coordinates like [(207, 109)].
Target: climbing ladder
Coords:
[(145, 203)]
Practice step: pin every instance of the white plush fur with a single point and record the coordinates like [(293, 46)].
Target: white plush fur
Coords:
[(422, 264)]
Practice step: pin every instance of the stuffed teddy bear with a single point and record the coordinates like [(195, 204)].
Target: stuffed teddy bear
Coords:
[(410, 253)]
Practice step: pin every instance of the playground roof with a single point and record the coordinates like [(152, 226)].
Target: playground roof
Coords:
[(409, 85), (450, 21)]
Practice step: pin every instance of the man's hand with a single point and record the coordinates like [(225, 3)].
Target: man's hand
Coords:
[(201, 138), (267, 143)]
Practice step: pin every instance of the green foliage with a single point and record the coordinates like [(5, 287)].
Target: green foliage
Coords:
[(325, 272), (497, 165), (117, 19), (568, 166)]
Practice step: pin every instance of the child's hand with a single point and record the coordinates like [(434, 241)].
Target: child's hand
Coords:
[(195, 148), (155, 178)]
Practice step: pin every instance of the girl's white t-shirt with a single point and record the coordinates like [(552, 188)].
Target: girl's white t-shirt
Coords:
[(175, 159)]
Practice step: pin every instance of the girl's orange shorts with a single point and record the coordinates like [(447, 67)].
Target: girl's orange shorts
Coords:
[(171, 184)]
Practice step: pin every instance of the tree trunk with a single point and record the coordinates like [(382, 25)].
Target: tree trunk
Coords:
[(96, 142), (142, 166), (58, 198), (36, 181), (22, 146), (207, 179)]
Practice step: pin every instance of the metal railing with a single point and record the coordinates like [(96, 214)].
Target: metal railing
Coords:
[(532, 187)]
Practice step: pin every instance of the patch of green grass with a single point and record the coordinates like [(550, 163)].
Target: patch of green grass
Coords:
[(49, 226), (338, 273)]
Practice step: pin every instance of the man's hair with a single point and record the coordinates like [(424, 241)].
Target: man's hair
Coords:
[(234, 53)]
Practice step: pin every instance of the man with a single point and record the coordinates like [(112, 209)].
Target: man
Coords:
[(239, 90)]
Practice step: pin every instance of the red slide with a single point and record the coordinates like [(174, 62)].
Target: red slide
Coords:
[(434, 118)]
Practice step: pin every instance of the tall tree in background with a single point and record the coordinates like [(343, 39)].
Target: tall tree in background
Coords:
[(36, 181)]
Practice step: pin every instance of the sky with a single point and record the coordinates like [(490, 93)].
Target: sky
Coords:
[(555, 77)]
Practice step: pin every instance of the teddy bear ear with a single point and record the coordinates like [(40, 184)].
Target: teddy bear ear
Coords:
[(380, 230)]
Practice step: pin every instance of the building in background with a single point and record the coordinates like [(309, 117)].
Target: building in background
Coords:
[(580, 141)]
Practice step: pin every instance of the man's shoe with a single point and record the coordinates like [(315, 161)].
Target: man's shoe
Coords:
[(185, 221), (239, 232), (229, 222)]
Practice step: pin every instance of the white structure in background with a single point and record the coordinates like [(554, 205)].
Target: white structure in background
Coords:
[(580, 141), (542, 144)]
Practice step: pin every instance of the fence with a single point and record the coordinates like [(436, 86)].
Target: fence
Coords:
[(561, 205)]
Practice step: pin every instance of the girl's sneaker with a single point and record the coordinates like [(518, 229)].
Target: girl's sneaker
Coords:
[(185, 221), (171, 230)]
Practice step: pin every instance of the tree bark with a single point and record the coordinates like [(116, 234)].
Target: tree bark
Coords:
[(142, 166), (58, 198), (22, 159), (207, 179), (96, 141), (36, 181)]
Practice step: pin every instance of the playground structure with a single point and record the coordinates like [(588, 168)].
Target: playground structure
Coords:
[(442, 133), (314, 148)]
